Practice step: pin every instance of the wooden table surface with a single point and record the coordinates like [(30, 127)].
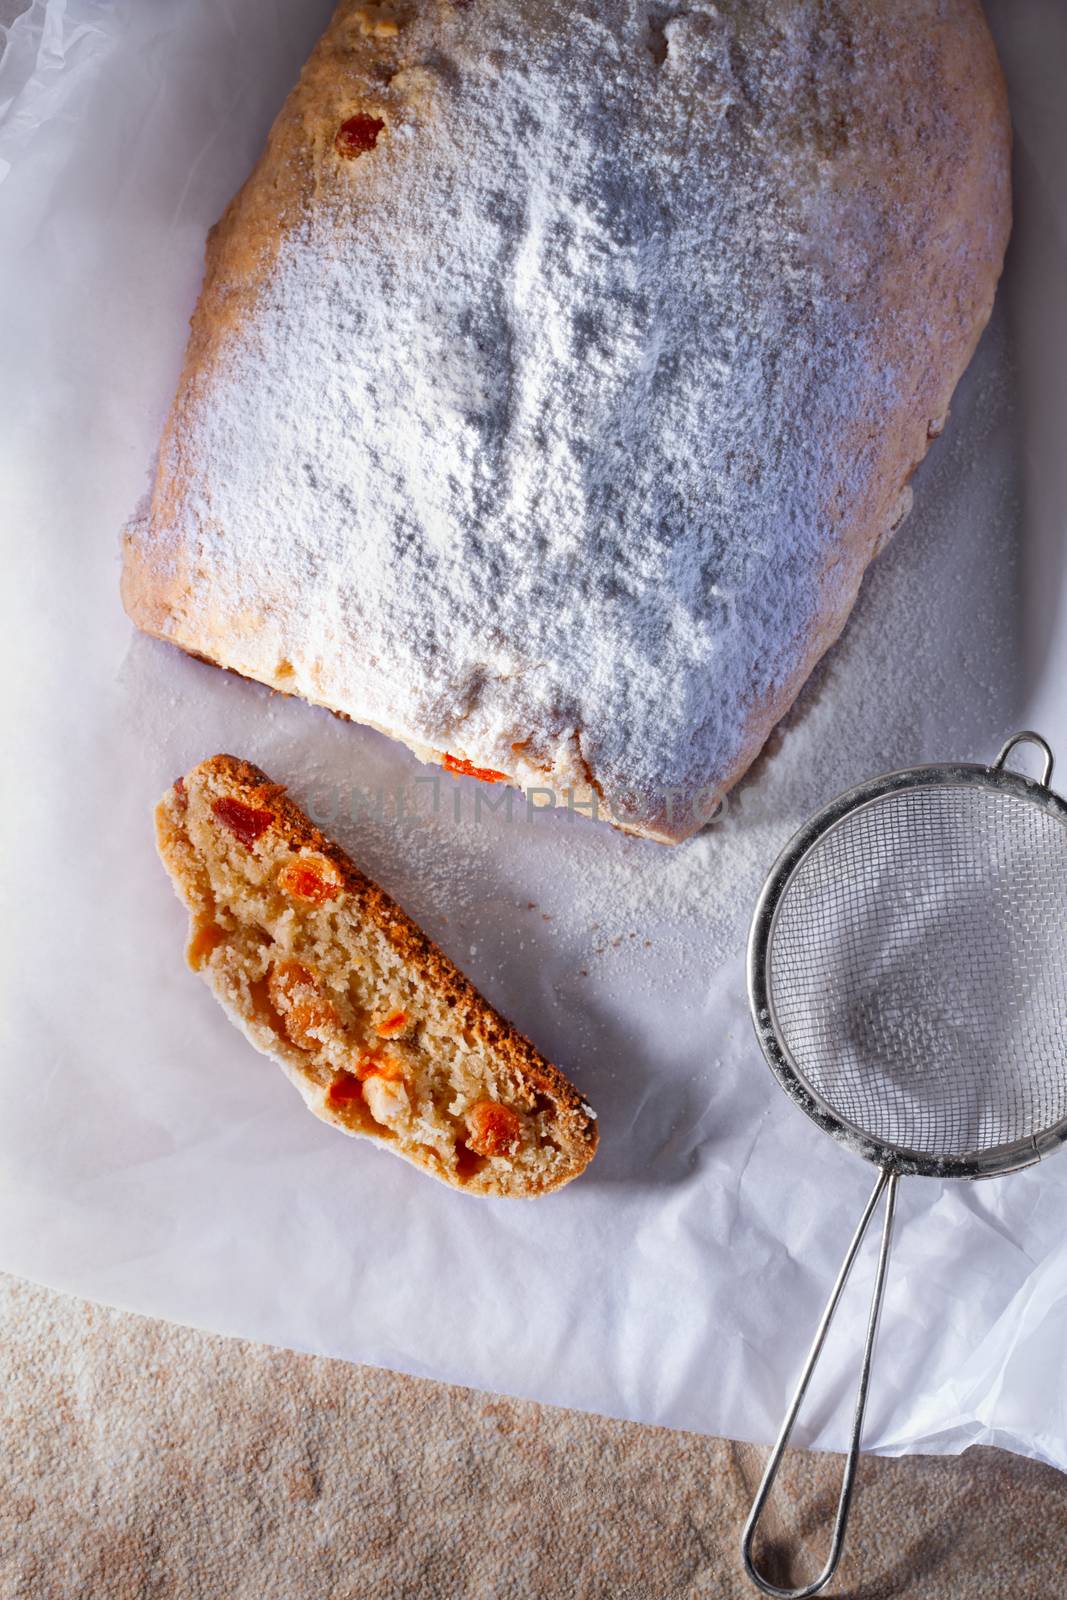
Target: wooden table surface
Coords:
[(147, 1462)]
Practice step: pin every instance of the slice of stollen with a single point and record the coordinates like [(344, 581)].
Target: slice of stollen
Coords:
[(325, 974)]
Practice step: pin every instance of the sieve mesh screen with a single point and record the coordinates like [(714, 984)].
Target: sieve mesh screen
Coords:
[(917, 969)]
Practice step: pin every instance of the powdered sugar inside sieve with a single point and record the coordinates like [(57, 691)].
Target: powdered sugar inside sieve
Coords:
[(917, 968)]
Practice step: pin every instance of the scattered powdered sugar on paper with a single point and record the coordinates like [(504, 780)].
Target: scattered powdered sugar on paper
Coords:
[(533, 448)]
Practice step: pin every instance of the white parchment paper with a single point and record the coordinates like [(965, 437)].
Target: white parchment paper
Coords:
[(149, 1158)]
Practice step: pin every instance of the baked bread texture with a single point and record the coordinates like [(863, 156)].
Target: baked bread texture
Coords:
[(562, 365), (325, 974)]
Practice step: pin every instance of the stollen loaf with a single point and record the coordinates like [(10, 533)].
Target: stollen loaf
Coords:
[(563, 363)]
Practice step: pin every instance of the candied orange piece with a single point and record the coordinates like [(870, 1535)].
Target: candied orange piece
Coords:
[(296, 993), (358, 135), (365, 1069), (493, 1129), (394, 1023), (307, 1020), (344, 1088), (302, 880), (369, 1064), (364, 1063), (287, 976), (467, 769), (204, 940), (245, 822)]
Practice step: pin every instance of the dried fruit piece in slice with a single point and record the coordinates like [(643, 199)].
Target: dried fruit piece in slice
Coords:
[(358, 135), (493, 1129), (466, 769), (381, 1034), (311, 879)]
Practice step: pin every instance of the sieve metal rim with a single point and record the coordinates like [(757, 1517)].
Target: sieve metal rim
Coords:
[(892, 1158)]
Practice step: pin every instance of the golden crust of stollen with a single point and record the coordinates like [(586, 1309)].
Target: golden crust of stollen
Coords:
[(926, 139), (516, 1068)]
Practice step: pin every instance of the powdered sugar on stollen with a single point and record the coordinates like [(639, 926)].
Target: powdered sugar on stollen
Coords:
[(529, 449)]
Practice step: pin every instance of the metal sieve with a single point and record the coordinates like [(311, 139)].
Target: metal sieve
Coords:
[(908, 982)]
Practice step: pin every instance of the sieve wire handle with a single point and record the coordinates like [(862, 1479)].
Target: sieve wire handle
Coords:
[(1028, 736), (886, 1184)]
